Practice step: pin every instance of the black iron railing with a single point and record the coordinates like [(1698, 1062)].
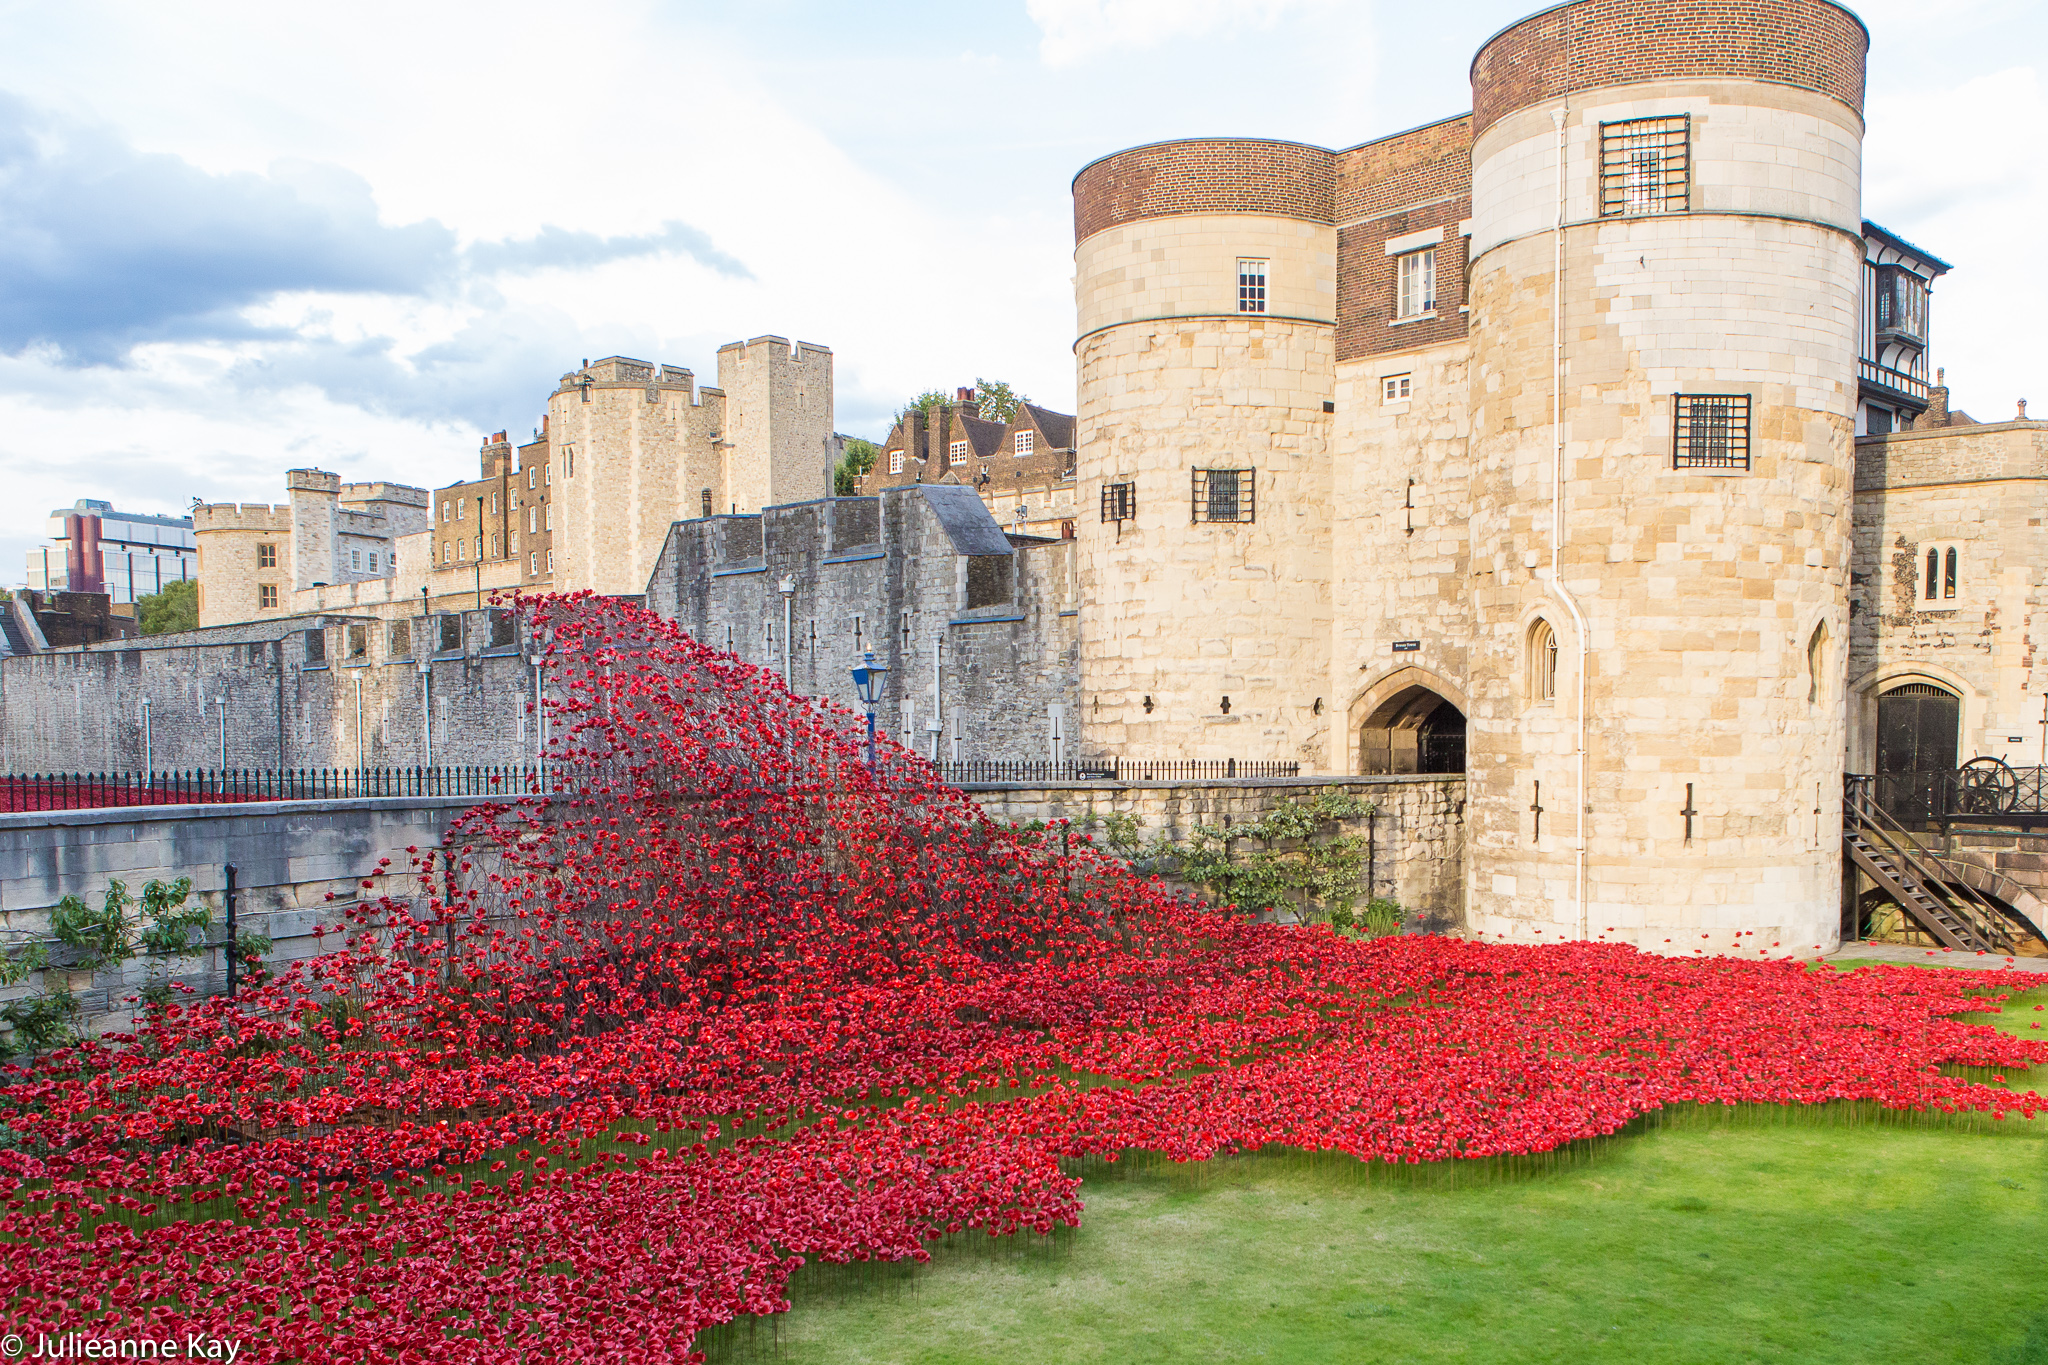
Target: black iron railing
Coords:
[(207, 786), (1982, 791), (1116, 770)]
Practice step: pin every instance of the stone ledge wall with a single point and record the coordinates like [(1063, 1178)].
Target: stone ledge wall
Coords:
[(287, 854), (1417, 834)]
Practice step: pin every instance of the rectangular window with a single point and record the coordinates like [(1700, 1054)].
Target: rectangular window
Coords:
[(398, 640), (1416, 273), (266, 556), (551, 561), (496, 550), (895, 462), (1711, 431), (1251, 286), (462, 509), (1225, 495), (355, 561), (266, 596), (451, 633), (958, 451), (358, 642), (529, 478), (707, 502), (479, 545), (462, 550), (373, 561), (1025, 443), (316, 646), (1119, 502), (906, 629), (1395, 387), (533, 563), (494, 502), (1646, 166), (547, 517), (446, 512), (857, 623)]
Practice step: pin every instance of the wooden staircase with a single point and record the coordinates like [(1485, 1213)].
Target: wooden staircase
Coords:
[(1929, 888)]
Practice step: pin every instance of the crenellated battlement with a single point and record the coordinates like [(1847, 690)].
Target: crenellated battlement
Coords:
[(240, 516)]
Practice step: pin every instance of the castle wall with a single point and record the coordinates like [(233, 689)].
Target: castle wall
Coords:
[(887, 574), (285, 706), (1703, 591), (1980, 490)]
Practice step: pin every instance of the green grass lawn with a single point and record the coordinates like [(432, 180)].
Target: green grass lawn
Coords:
[(1770, 1238)]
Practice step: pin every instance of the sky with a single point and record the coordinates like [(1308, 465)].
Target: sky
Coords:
[(237, 238)]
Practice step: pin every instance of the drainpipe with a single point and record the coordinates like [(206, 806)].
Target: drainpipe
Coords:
[(938, 695), (1557, 528), (148, 753)]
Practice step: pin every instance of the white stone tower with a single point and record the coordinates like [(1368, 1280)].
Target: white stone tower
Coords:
[(1205, 282), (1665, 255)]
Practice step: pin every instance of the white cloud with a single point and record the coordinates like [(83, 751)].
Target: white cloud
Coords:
[(1957, 170), (1076, 30)]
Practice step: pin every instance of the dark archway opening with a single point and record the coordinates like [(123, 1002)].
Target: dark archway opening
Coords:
[(1413, 731)]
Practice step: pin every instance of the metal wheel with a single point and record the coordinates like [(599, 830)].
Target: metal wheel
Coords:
[(1985, 786)]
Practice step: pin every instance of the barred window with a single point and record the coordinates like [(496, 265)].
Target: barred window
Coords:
[(1251, 286), (1416, 272), (706, 502), (1712, 431), (1646, 166), (1119, 502), (958, 450), (1224, 495)]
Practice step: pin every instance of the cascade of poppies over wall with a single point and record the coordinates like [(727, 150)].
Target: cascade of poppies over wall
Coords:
[(609, 1065)]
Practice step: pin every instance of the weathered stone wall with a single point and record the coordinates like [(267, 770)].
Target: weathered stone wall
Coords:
[(286, 706), (1982, 490), (288, 857), (886, 574), (1417, 836)]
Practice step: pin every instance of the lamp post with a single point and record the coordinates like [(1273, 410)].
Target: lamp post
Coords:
[(787, 587), (867, 683)]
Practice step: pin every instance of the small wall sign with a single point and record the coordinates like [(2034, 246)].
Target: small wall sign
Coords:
[(1407, 646)]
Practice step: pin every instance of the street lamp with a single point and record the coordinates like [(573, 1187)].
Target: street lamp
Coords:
[(787, 587), (867, 683)]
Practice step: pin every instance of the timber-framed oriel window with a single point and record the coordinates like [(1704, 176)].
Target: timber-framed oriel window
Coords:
[(1710, 431), (1646, 166), (1228, 495)]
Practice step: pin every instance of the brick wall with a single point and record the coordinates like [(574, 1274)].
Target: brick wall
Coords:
[(1810, 44), (1416, 181), (1211, 175)]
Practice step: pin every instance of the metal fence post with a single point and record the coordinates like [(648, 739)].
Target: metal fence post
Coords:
[(230, 897)]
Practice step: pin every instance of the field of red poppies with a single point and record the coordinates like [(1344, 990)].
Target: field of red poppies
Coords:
[(729, 1002)]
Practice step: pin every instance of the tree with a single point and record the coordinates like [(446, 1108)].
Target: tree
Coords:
[(999, 402), (175, 608), (924, 403), (858, 460)]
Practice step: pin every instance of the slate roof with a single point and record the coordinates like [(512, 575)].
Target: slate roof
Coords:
[(965, 518), (1057, 427)]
